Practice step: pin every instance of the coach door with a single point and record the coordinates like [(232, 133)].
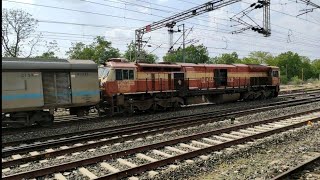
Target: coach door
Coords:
[(56, 88), (178, 80)]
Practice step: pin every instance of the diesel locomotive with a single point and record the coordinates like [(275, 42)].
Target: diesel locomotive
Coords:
[(32, 89)]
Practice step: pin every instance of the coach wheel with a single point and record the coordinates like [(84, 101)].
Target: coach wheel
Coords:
[(46, 120)]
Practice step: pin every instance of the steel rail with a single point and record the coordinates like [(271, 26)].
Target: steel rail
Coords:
[(192, 154), (120, 139), (94, 118), (139, 128), (71, 119), (144, 123), (149, 166), (296, 169)]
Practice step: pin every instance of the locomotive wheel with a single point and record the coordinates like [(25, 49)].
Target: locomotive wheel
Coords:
[(177, 106), (263, 95)]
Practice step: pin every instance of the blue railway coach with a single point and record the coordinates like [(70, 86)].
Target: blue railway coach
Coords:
[(33, 88)]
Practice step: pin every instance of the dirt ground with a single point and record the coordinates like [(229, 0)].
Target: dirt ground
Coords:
[(303, 86)]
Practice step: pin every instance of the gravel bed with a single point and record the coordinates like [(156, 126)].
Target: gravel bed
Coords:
[(263, 159), (77, 127), (311, 172), (166, 136), (171, 135)]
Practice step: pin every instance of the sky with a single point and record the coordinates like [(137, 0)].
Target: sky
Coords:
[(71, 21)]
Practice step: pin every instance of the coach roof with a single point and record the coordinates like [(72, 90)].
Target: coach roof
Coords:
[(33, 63)]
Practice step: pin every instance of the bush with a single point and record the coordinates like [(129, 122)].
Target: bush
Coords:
[(283, 79), (313, 81), (296, 81)]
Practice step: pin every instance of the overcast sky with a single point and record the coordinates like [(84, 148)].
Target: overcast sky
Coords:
[(70, 21)]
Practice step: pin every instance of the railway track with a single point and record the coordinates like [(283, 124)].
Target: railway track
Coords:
[(297, 169), (146, 159), (85, 145), (96, 138), (65, 120), (181, 121)]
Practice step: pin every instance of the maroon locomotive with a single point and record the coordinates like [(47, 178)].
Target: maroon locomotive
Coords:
[(131, 87)]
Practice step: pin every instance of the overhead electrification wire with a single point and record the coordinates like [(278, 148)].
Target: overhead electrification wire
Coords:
[(108, 15), (94, 25)]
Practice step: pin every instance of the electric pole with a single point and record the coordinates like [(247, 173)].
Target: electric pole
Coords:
[(183, 45)]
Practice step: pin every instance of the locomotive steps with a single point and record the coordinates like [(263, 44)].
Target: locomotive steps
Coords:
[(144, 158)]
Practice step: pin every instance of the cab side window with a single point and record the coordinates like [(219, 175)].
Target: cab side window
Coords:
[(275, 73), (118, 74), (124, 74)]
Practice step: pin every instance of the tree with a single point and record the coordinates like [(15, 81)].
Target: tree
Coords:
[(48, 55), (307, 68), (226, 58), (52, 47), (260, 57), (130, 54), (17, 28), (193, 54), (99, 51), (248, 60), (290, 64), (316, 67)]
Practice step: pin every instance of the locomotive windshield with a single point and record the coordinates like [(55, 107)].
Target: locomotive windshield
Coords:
[(103, 72)]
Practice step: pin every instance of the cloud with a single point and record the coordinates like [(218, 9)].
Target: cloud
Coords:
[(120, 33), (162, 1)]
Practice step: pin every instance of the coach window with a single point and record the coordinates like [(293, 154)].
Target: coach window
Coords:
[(275, 73)]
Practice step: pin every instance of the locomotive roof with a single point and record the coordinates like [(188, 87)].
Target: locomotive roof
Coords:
[(32, 63), (121, 64), (159, 65)]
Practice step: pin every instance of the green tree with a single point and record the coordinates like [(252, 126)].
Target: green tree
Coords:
[(260, 57), (248, 60), (47, 55), (308, 70), (193, 54), (52, 47), (290, 64), (130, 54), (316, 67), (226, 58), (99, 51)]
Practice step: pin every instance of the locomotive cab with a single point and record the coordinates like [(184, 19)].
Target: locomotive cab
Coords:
[(103, 73), (275, 75), (275, 79)]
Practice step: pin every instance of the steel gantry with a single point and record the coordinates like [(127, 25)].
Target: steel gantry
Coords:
[(171, 21)]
